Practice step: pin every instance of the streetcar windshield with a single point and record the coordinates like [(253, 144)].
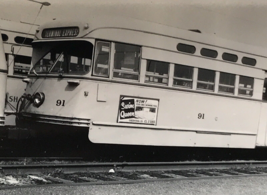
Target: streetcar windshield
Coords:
[(68, 57)]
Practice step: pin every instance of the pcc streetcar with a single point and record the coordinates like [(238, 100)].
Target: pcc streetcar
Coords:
[(3, 79), (133, 82), (17, 41)]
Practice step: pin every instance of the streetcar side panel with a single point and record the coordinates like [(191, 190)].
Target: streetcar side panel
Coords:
[(184, 119), (18, 50), (3, 78)]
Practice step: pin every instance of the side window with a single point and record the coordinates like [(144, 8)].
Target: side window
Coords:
[(102, 57), (229, 57), (245, 86), (23, 40), (264, 92), (22, 65), (4, 37), (209, 53), (206, 79), (249, 61), (186, 48), (227, 83), (126, 61), (183, 76), (157, 72)]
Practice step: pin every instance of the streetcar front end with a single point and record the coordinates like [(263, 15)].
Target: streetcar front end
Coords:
[(57, 93)]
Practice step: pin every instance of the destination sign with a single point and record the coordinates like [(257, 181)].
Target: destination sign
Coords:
[(60, 32)]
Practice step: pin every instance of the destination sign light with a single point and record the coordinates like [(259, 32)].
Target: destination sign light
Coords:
[(60, 32)]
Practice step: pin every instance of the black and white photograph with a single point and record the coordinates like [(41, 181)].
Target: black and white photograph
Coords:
[(120, 97)]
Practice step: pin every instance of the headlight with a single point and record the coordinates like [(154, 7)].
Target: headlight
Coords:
[(38, 99)]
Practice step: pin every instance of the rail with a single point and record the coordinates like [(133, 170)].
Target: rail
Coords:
[(14, 176)]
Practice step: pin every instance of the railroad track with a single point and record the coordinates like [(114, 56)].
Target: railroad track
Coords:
[(16, 176)]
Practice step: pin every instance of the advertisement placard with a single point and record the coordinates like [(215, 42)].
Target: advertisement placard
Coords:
[(138, 110)]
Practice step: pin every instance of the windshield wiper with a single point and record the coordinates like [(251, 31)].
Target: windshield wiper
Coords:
[(34, 72), (60, 72)]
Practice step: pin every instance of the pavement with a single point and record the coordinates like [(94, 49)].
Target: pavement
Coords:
[(252, 185)]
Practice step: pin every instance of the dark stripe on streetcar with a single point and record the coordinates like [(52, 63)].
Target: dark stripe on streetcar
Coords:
[(2, 70)]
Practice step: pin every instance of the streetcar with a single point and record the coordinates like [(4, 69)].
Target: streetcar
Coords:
[(3, 78), (17, 41), (131, 82)]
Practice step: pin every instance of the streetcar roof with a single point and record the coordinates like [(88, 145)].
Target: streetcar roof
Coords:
[(151, 28), (18, 27)]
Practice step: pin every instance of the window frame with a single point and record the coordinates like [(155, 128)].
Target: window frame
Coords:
[(137, 73), (186, 50), (20, 68), (149, 74), (23, 40), (183, 79), (95, 58), (208, 50), (226, 54), (206, 82), (245, 88), (4, 37), (39, 57), (244, 58), (225, 85)]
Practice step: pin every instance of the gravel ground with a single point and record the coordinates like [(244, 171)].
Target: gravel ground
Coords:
[(256, 185)]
